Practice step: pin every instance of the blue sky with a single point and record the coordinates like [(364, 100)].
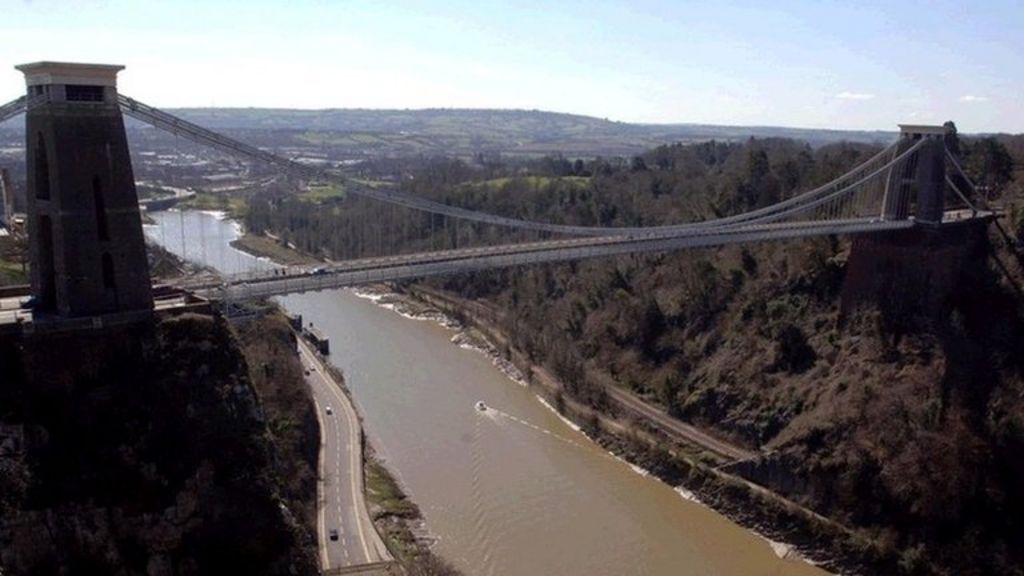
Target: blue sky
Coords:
[(866, 65)]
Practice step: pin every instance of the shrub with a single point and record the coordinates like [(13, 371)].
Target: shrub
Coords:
[(793, 354)]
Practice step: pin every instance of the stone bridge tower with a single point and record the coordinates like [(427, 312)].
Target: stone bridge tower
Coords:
[(924, 173), (87, 250)]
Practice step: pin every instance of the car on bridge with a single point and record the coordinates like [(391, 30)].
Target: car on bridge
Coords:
[(333, 534)]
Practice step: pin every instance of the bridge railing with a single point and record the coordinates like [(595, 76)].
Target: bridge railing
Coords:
[(12, 108), (418, 266), (19, 105)]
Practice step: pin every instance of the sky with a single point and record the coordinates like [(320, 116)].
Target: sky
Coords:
[(816, 64)]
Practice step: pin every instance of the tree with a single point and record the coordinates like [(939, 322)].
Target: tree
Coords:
[(952, 138), (989, 164), (793, 354), (578, 168), (668, 390), (652, 326), (759, 187)]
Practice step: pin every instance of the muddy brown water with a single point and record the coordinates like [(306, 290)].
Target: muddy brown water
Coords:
[(512, 490)]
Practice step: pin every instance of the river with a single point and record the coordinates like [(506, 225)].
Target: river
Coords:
[(508, 492)]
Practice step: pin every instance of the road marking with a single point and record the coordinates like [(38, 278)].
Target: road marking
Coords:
[(355, 457), (356, 465), (324, 558)]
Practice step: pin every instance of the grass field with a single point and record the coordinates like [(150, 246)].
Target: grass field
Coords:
[(11, 274), (533, 181), (270, 248), (234, 205), (390, 506), (320, 193)]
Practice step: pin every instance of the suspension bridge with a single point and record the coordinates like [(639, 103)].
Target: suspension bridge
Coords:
[(906, 184), (89, 267)]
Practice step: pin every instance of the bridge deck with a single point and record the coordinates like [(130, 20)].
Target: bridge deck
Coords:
[(390, 268)]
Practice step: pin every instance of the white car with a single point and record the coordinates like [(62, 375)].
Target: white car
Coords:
[(329, 411)]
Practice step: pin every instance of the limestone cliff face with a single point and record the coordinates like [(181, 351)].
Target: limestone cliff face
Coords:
[(911, 423), (145, 452)]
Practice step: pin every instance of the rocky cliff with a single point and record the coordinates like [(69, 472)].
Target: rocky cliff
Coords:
[(143, 450)]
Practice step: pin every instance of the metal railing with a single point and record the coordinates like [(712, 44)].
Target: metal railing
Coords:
[(385, 269), (12, 108)]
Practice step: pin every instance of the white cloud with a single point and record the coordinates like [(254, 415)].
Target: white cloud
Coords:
[(973, 98), (854, 96)]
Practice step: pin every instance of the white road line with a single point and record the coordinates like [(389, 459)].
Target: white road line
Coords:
[(324, 558), (355, 457), (356, 466)]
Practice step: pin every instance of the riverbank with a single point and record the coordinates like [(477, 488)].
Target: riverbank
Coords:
[(234, 206), (396, 518), (792, 530), (399, 521), (271, 248)]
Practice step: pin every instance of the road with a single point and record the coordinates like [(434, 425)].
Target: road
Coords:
[(674, 427), (340, 492)]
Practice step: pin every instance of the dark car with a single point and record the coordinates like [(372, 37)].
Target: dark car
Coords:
[(333, 534)]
